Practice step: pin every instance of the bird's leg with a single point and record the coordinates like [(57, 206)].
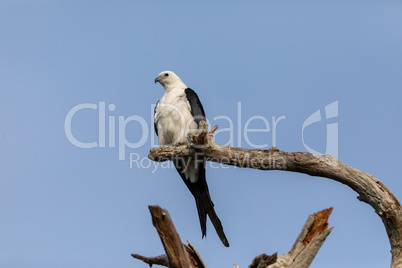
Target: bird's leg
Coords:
[(190, 141)]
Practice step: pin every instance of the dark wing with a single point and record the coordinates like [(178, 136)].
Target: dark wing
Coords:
[(200, 191), (197, 111), (156, 129)]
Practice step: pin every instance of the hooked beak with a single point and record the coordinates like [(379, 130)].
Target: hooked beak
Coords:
[(156, 80)]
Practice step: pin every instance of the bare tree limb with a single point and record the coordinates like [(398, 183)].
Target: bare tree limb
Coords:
[(310, 240), (306, 247), (177, 255), (302, 253), (370, 189), (194, 256), (263, 260), (158, 260)]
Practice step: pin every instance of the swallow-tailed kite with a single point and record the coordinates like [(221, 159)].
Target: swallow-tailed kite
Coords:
[(177, 114)]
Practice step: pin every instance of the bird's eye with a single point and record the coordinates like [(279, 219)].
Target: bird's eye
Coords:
[(166, 74)]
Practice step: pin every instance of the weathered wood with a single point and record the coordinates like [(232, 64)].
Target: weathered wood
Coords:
[(177, 254), (306, 247), (175, 251), (194, 256), (163, 260), (263, 260), (310, 240), (158, 260), (370, 189), (302, 253), (319, 225)]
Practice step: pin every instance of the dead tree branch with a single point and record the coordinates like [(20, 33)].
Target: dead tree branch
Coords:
[(158, 260), (310, 240), (177, 255), (302, 253), (370, 189), (174, 249)]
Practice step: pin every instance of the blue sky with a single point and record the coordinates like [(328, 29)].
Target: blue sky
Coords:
[(64, 206)]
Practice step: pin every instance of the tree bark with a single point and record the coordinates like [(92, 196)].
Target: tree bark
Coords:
[(370, 189), (175, 251), (309, 241), (178, 255), (304, 250), (302, 253)]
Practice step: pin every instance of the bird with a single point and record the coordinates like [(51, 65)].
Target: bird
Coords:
[(177, 114)]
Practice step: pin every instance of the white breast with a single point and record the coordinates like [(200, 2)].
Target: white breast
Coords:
[(173, 118)]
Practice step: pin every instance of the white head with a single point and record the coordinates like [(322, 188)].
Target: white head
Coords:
[(169, 79)]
